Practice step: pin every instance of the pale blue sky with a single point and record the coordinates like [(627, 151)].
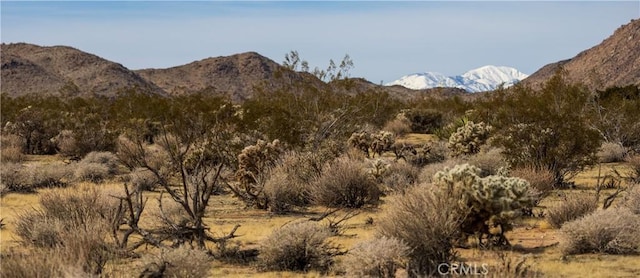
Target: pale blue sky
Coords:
[(385, 39)]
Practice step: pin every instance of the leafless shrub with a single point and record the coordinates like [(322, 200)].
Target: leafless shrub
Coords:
[(13, 178), (107, 159), (48, 175), (508, 266), (400, 125), (541, 180), (74, 224), (177, 262), (40, 263), (11, 148), (287, 186), (67, 144), (631, 201), (345, 183), (400, 175), (428, 222), (298, 246), (611, 152), (378, 257), (427, 172), (571, 208), (92, 172), (490, 162), (143, 179), (634, 164), (610, 231)]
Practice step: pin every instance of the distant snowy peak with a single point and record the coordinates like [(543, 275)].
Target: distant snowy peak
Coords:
[(482, 79)]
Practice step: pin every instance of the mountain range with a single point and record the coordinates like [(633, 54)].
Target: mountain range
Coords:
[(66, 71), (482, 79)]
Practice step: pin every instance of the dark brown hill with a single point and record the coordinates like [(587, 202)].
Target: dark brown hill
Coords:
[(56, 70), (614, 62), (238, 76)]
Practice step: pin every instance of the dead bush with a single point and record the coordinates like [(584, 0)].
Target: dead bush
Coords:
[(11, 148), (345, 183), (490, 162), (143, 179), (427, 172), (634, 164), (74, 224), (400, 125), (631, 201), (107, 159), (177, 262), (400, 175), (287, 186), (571, 208), (298, 246), (48, 175), (611, 152), (378, 257), (541, 180), (426, 220), (610, 231), (13, 178), (41, 263), (92, 172)]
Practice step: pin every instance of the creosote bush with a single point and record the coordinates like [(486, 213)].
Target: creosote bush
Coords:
[(298, 246), (377, 257), (183, 261), (344, 182), (571, 208), (424, 218), (610, 231)]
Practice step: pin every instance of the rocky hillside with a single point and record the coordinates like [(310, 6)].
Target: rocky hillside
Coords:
[(238, 76), (614, 62), (62, 70)]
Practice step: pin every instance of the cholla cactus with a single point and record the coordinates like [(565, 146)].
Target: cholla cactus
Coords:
[(253, 164), (491, 202), (468, 138), (361, 140), (381, 142)]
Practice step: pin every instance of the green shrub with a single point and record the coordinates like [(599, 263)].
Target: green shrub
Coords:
[(610, 231), (424, 218), (570, 208), (378, 257), (345, 183), (425, 120), (299, 246)]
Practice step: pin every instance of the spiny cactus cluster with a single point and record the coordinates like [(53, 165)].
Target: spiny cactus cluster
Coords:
[(253, 163), (468, 138), (491, 202), (378, 143)]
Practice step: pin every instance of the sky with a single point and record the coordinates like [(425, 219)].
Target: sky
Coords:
[(385, 39)]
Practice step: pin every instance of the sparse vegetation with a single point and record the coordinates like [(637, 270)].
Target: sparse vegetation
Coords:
[(610, 231), (571, 208), (300, 246)]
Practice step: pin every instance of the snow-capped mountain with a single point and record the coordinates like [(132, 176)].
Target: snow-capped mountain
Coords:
[(482, 79)]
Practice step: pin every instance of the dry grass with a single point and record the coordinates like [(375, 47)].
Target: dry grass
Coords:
[(571, 208), (531, 236)]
